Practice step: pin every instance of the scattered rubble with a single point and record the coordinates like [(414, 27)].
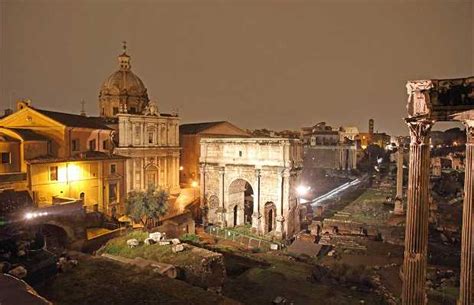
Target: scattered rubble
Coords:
[(132, 243)]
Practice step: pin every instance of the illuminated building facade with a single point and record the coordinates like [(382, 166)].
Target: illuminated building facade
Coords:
[(149, 138), (56, 155)]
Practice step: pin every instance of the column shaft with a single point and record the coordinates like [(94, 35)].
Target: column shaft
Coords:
[(416, 231), (467, 245), (398, 210)]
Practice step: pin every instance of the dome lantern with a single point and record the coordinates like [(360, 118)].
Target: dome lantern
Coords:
[(122, 91)]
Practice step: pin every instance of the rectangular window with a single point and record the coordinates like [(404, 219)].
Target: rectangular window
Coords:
[(112, 192), (92, 145), (6, 158), (104, 145), (115, 110), (75, 145), (53, 173), (133, 110), (113, 168), (150, 138)]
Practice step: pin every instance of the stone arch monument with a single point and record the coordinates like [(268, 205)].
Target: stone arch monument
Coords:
[(240, 175)]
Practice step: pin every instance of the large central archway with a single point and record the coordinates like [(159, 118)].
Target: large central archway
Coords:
[(240, 202)]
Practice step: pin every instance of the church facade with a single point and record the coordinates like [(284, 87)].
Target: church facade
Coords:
[(148, 138)]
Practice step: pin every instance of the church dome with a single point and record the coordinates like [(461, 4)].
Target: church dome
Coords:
[(123, 82), (123, 91)]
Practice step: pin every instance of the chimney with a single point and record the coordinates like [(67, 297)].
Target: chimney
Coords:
[(8, 111), (371, 126), (83, 110)]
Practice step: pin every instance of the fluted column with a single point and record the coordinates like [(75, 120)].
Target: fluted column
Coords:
[(416, 231), (202, 198), (256, 215), (280, 218), (222, 210), (467, 245), (398, 210)]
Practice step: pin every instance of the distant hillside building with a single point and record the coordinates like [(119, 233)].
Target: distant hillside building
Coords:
[(190, 136), (373, 138), (326, 148)]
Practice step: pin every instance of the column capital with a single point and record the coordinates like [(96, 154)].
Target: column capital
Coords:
[(222, 170), (285, 173), (202, 168), (258, 172), (469, 124), (419, 130)]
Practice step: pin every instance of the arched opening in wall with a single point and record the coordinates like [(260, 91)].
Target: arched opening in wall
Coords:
[(55, 237), (82, 196), (241, 198), (235, 215), (151, 176), (270, 216)]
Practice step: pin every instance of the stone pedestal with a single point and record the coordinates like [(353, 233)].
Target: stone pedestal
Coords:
[(279, 229), (256, 222), (416, 233), (467, 245), (222, 217)]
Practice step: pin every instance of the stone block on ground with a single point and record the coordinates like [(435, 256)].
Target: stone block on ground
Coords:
[(156, 236), (132, 243), (177, 248)]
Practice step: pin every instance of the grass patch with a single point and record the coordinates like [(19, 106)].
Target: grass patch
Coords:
[(118, 246), (189, 237)]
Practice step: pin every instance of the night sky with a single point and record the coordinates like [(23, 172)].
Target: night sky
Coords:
[(255, 63)]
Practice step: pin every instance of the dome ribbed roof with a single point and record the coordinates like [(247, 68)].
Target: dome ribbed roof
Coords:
[(123, 82)]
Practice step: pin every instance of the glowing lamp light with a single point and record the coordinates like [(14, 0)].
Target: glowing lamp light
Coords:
[(181, 168), (30, 215), (194, 184), (302, 190)]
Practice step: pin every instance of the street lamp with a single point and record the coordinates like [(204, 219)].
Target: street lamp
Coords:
[(302, 190), (194, 185)]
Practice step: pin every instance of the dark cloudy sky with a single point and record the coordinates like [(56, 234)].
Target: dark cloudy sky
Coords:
[(274, 64)]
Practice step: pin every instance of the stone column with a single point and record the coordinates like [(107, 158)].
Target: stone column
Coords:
[(222, 210), (398, 210), (467, 245), (142, 174), (256, 216), (280, 218), (416, 231), (202, 190)]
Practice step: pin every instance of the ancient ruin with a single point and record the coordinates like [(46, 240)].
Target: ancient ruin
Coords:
[(431, 101), (251, 181)]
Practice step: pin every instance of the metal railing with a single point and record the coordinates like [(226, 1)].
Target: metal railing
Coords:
[(244, 239)]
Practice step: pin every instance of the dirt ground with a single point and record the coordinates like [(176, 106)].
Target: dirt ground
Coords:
[(98, 281)]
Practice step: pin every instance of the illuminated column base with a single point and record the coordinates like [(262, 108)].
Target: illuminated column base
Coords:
[(222, 215)]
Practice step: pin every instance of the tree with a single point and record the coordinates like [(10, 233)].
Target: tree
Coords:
[(147, 206)]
